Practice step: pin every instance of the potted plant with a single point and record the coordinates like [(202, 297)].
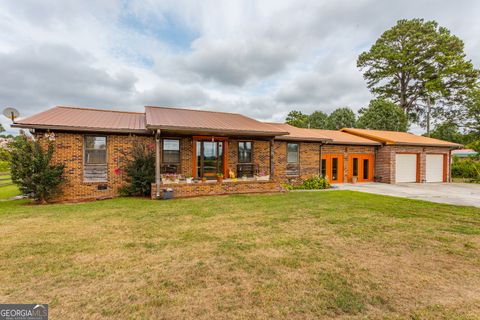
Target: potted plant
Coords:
[(262, 176), (204, 179), (189, 179), (354, 179), (220, 177)]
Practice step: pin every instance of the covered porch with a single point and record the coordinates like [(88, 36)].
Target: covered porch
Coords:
[(200, 152), (202, 165)]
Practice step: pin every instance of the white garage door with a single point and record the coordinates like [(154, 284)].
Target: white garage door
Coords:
[(406, 168), (434, 168)]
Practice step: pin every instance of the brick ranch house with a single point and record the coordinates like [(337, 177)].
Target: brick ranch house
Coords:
[(96, 144)]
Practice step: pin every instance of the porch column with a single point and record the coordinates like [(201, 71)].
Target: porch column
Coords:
[(272, 157), (157, 162)]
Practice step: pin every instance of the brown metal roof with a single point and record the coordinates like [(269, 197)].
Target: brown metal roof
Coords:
[(84, 119), (329, 136), (400, 138), (206, 122)]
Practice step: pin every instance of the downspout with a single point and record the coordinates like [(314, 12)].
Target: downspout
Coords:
[(449, 166), (320, 167), (272, 156), (375, 152), (157, 163)]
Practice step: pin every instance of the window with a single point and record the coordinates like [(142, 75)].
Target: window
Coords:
[(292, 152), (95, 159), (245, 152), (170, 155), (334, 169), (365, 169), (171, 151), (95, 150), (324, 167), (293, 168), (355, 167)]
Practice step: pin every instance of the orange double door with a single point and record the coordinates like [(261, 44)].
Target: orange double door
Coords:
[(332, 167), (360, 166)]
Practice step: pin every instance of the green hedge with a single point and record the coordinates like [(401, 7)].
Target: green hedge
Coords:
[(313, 183), (468, 169)]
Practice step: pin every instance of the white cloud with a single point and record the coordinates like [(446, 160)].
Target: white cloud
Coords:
[(260, 58)]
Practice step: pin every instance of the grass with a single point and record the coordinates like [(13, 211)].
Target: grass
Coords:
[(7, 191), (297, 255)]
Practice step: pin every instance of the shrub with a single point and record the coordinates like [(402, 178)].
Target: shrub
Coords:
[(315, 182), (466, 169), (140, 171), (31, 169)]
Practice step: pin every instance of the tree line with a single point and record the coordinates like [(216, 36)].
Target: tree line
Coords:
[(379, 115), (419, 74)]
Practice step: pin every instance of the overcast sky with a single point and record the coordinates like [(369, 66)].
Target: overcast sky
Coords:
[(260, 58)]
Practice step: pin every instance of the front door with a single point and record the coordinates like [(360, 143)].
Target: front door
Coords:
[(332, 167), (360, 166), (209, 158)]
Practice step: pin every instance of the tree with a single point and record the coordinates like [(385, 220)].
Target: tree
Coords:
[(31, 169), (341, 118), (318, 120), (2, 129), (471, 118), (382, 115), (448, 131), (297, 119), (415, 61)]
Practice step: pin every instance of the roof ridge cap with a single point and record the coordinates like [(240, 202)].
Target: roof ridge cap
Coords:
[(189, 109), (96, 109)]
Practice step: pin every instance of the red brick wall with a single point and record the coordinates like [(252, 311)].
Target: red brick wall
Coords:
[(261, 154), (385, 161), (184, 190), (309, 158), (69, 151)]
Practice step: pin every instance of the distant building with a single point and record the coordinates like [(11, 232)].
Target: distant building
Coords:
[(463, 153)]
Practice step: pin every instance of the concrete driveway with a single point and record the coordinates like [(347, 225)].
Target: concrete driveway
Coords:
[(463, 194)]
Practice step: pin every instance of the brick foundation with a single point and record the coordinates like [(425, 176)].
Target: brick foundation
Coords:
[(185, 190)]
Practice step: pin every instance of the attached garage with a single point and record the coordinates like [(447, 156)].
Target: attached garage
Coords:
[(417, 158), (434, 170), (405, 167)]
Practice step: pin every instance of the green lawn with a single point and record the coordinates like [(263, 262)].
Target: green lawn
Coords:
[(7, 191), (295, 255)]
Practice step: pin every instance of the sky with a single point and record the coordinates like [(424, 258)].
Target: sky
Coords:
[(259, 58)]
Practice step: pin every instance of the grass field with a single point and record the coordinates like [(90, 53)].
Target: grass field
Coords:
[(296, 255), (7, 190)]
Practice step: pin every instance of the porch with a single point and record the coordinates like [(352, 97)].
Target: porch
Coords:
[(193, 165)]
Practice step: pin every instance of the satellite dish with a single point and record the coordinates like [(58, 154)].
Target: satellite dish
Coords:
[(11, 113)]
